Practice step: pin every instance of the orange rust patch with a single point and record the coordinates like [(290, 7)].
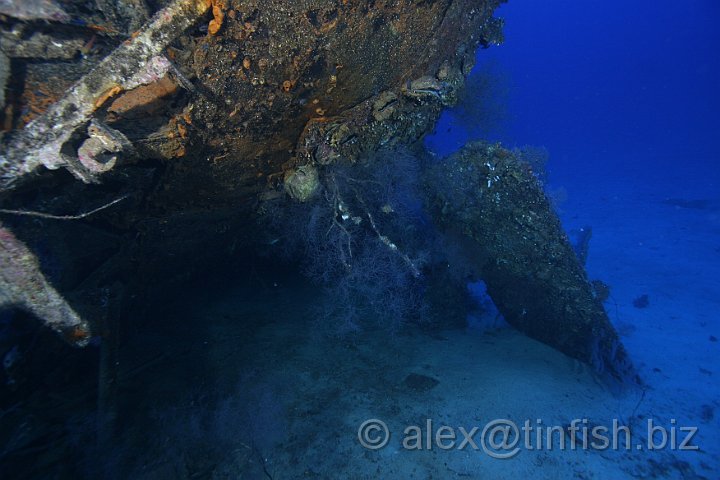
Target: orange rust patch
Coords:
[(182, 130), (179, 125), (37, 98), (144, 99), (218, 7), (78, 334), (107, 94)]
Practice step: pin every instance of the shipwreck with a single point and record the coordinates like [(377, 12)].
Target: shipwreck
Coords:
[(145, 142)]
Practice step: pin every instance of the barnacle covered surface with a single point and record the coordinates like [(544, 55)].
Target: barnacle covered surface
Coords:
[(255, 91), (276, 67), (490, 195)]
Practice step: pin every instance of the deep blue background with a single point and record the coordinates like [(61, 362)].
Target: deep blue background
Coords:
[(609, 87)]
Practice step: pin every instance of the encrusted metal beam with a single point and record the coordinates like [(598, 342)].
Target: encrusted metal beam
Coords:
[(138, 61)]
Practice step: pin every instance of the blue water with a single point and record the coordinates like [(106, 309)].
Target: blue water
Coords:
[(598, 81), (624, 96)]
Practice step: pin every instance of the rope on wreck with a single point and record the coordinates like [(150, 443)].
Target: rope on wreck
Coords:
[(31, 213)]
